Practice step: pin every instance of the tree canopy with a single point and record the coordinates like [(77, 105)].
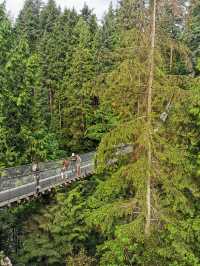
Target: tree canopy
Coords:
[(72, 84)]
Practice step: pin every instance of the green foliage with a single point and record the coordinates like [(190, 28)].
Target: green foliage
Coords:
[(21, 110), (110, 34), (60, 230), (49, 16), (68, 83), (5, 36), (80, 260), (193, 32), (16, 99), (5, 47), (131, 14), (76, 87), (174, 188), (28, 22)]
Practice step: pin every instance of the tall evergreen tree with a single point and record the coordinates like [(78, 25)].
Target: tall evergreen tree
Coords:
[(56, 51), (49, 15), (109, 30), (86, 13), (137, 187), (6, 42), (6, 37), (193, 32), (22, 119), (91, 19), (76, 82), (171, 21), (88, 83), (16, 101), (131, 13), (68, 235), (28, 22)]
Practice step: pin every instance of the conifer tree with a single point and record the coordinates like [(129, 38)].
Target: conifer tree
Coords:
[(76, 82), (101, 118), (5, 35), (109, 29), (137, 187), (48, 16), (41, 145), (56, 49), (58, 236), (50, 56), (171, 22), (86, 13), (28, 22), (16, 107), (68, 82), (16, 101), (6, 41), (21, 109), (131, 13), (193, 32)]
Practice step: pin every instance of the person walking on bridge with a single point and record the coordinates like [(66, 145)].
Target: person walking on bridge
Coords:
[(78, 165), (64, 168), (35, 170), (73, 163)]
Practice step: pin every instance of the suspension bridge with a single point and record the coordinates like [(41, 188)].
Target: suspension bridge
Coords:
[(17, 184)]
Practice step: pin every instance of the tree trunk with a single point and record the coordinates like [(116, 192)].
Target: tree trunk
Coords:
[(149, 122), (138, 102), (51, 103), (171, 57), (60, 115)]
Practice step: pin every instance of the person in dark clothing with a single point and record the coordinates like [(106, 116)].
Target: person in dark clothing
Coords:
[(35, 170)]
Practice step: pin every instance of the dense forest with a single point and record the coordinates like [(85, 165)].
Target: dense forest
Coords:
[(71, 83)]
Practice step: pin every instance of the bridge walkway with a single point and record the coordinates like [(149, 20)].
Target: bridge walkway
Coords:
[(18, 183)]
